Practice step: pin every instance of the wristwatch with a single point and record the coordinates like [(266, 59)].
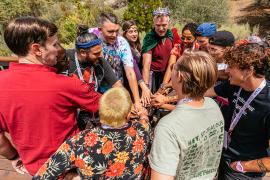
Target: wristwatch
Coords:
[(239, 167)]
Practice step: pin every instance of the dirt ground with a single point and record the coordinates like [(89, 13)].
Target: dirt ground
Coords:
[(248, 11)]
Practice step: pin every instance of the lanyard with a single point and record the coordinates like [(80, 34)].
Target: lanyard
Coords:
[(92, 73), (236, 117), (183, 101)]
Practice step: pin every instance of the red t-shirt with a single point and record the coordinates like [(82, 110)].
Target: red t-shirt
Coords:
[(161, 55), (38, 108)]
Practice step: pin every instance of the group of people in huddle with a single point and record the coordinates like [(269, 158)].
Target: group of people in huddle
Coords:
[(194, 105)]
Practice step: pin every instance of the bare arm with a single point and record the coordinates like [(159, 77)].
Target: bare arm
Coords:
[(133, 83), (256, 165), (167, 76), (117, 84), (146, 93), (6, 148), (158, 176), (169, 107), (147, 58)]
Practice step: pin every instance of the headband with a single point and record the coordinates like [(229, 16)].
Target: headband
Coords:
[(87, 45)]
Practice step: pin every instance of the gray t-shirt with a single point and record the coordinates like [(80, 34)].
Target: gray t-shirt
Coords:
[(188, 142)]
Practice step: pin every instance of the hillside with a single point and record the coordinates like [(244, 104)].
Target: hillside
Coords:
[(249, 11)]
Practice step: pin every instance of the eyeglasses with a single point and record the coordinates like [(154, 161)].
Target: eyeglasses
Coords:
[(189, 38)]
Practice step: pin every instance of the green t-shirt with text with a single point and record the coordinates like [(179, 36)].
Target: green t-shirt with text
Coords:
[(188, 142)]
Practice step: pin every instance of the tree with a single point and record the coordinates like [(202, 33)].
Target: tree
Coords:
[(198, 11), (66, 14), (141, 11)]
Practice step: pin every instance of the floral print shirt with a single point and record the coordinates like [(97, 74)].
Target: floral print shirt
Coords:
[(102, 153), (119, 54)]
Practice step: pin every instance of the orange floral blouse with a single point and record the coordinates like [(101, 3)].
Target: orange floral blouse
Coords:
[(102, 153)]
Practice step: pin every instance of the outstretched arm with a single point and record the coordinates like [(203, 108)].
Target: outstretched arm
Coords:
[(133, 84), (168, 73), (147, 58), (256, 165)]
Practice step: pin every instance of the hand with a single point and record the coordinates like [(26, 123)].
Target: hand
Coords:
[(146, 96), (18, 166), (142, 112), (137, 106), (233, 166), (158, 100)]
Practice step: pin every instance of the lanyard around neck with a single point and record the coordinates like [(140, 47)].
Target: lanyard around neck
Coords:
[(92, 74), (236, 116)]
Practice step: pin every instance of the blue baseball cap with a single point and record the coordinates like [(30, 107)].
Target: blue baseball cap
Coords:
[(206, 29)]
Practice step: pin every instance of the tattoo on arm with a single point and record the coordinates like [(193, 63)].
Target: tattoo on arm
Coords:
[(261, 165)]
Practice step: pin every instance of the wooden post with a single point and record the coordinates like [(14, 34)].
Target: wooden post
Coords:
[(8, 59)]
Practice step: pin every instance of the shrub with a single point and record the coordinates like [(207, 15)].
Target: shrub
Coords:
[(240, 31), (198, 11), (141, 11)]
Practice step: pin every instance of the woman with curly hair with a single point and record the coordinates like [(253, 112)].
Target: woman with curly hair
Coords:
[(247, 122)]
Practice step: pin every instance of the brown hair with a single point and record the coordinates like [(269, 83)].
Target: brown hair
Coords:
[(125, 27), (248, 55), (199, 72), (105, 16), (115, 106), (23, 31)]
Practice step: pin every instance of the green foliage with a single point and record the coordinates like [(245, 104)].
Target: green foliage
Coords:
[(240, 31), (66, 14), (198, 11), (141, 11)]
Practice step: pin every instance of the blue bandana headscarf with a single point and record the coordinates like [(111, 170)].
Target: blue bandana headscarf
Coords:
[(206, 30), (87, 45)]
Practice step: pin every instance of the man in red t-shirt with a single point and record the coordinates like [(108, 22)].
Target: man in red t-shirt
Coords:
[(37, 106), (156, 49)]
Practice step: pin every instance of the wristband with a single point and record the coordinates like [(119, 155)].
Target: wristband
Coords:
[(15, 157), (140, 81), (239, 167)]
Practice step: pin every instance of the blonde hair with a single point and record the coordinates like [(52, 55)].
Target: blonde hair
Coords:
[(199, 72), (115, 105)]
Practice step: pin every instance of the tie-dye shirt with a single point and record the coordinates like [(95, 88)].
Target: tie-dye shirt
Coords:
[(118, 54)]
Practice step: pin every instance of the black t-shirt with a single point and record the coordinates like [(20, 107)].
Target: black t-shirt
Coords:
[(103, 71), (249, 139)]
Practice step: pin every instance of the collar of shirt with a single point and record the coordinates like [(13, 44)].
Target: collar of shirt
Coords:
[(31, 67)]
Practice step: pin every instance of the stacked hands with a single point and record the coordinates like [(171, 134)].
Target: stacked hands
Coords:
[(163, 96)]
